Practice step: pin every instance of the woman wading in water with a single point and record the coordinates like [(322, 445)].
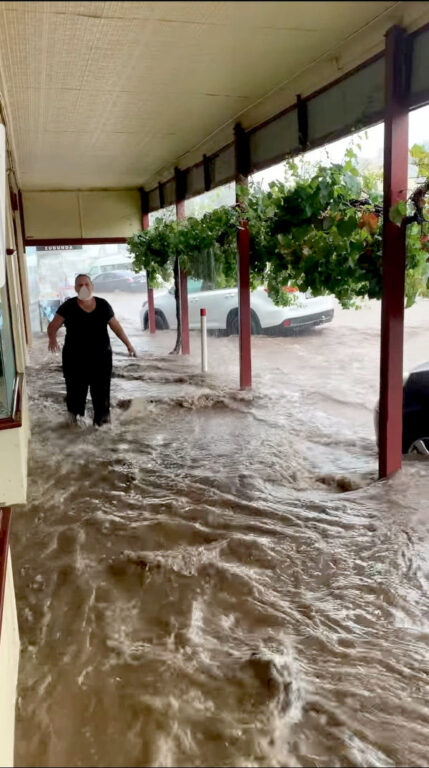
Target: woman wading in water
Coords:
[(87, 354)]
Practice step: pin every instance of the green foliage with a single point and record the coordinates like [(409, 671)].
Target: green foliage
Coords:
[(398, 212), (420, 156), (206, 247), (318, 231), (417, 275), (310, 234), (153, 249)]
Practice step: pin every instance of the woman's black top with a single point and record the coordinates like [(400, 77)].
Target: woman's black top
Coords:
[(86, 332)]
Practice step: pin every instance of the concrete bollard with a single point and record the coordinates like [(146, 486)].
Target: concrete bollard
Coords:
[(204, 366)]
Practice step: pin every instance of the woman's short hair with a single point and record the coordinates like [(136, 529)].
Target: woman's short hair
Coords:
[(82, 274)]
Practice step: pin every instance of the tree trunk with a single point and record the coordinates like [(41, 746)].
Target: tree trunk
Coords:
[(178, 344)]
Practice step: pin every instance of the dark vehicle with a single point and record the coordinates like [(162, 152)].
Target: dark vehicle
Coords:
[(415, 411), (119, 280), (415, 431)]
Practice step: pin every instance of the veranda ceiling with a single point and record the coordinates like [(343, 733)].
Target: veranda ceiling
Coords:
[(115, 94)]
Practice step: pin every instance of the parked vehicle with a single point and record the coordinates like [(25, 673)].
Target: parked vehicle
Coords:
[(415, 411), (222, 310), (415, 430), (119, 280)]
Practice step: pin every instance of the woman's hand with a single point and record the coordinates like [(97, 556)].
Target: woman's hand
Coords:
[(117, 328), (53, 327), (53, 346)]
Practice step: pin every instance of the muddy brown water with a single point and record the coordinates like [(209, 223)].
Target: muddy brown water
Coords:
[(217, 578)]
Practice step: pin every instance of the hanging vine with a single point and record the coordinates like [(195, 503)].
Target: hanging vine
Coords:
[(321, 233)]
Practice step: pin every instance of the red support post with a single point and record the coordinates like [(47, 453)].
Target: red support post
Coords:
[(150, 307), (186, 346), (242, 165), (394, 242), (150, 300)]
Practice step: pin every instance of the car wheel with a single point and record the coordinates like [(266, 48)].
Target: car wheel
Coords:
[(233, 326), (256, 325), (420, 446), (160, 321)]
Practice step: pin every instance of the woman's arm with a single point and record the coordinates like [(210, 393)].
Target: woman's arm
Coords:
[(117, 328), (53, 327)]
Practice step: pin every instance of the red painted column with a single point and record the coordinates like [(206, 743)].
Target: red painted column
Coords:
[(150, 307), (186, 346), (242, 166), (150, 301), (394, 241), (244, 305)]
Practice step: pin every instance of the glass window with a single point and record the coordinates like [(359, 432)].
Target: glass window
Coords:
[(194, 285), (7, 357)]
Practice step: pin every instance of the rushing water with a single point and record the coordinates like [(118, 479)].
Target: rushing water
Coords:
[(216, 578)]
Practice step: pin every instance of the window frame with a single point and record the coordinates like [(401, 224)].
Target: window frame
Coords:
[(14, 419)]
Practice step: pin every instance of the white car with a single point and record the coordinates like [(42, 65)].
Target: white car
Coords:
[(222, 310)]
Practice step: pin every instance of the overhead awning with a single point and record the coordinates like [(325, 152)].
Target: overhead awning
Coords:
[(116, 95)]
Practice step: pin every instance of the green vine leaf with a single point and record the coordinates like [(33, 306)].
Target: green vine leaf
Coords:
[(398, 212)]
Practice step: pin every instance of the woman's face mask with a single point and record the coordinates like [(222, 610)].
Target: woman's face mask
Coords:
[(84, 293)]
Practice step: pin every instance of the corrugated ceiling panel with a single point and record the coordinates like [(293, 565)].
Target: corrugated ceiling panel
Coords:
[(354, 102), (420, 69), (275, 140)]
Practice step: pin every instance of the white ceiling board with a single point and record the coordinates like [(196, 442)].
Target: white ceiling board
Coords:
[(112, 94)]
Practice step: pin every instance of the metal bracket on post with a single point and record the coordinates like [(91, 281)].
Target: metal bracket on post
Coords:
[(161, 195), (242, 154), (207, 173), (302, 115), (181, 184), (394, 246), (144, 203)]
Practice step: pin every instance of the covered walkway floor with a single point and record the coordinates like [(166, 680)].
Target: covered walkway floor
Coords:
[(100, 133), (219, 600)]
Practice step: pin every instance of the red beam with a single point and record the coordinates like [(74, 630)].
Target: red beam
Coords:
[(244, 305), (150, 300), (394, 240), (186, 345)]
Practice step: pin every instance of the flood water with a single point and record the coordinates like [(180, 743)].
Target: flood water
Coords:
[(216, 578)]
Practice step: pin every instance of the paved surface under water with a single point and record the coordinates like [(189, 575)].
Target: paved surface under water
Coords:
[(216, 578)]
